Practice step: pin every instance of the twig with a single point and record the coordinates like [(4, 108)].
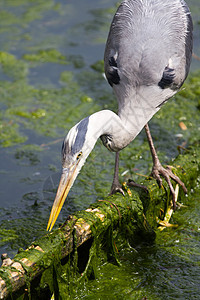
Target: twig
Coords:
[(111, 206), (52, 143), (195, 56)]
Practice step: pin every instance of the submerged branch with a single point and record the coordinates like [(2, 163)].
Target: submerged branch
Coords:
[(139, 211)]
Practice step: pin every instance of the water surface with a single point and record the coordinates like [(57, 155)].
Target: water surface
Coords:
[(49, 80)]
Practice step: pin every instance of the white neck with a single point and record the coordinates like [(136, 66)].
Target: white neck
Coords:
[(121, 129)]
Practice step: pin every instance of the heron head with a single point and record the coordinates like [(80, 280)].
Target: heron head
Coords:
[(75, 149)]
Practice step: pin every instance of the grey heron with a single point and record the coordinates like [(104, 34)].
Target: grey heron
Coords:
[(147, 58)]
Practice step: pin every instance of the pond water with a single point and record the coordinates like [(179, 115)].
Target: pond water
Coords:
[(50, 78)]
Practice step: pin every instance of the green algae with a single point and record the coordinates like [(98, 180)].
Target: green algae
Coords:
[(28, 153), (66, 276), (18, 69), (116, 252), (77, 61), (15, 69), (63, 273), (8, 18), (18, 17), (98, 66), (183, 108), (28, 116), (26, 14), (7, 235), (9, 134), (38, 109), (132, 280), (46, 56), (100, 23), (28, 108)]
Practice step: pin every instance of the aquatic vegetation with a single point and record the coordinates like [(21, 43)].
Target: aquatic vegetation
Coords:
[(45, 56), (37, 108), (49, 80), (7, 235), (29, 153), (107, 233), (15, 69)]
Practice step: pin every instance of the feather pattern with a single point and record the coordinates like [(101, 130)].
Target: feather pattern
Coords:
[(146, 35), (147, 59)]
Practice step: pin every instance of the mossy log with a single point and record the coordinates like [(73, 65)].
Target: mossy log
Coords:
[(136, 215)]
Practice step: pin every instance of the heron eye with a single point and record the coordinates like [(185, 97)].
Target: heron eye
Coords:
[(79, 155)]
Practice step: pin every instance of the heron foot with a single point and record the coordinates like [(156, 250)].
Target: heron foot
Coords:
[(158, 170), (132, 183), (116, 188)]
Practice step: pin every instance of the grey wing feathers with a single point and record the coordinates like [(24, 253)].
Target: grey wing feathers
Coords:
[(150, 43), (167, 78), (112, 71), (189, 38)]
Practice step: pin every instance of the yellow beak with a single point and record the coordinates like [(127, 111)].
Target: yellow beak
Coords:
[(67, 178)]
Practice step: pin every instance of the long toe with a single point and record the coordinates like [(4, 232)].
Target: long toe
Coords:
[(156, 174), (167, 174), (177, 179), (132, 183), (116, 188)]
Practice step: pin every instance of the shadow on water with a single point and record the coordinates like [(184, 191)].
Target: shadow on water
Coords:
[(50, 78)]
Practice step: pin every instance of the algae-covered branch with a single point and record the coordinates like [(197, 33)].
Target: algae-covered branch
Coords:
[(58, 262)]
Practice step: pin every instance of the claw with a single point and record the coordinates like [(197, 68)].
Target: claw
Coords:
[(167, 174), (155, 174), (116, 188), (132, 183), (159, 170)]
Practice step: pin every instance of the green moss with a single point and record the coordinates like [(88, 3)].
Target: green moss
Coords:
[(7, 18), (43, 110), (7, 235), (77, 61), (44, 56), (50, 109), (5, 276), (28, 152), (106, 239), (98, 66), (36, 10), (86, 99), (66, 77), (9, 134), (12, 67)]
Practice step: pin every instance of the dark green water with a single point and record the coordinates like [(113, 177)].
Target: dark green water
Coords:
[(167, 269), (50, 78)]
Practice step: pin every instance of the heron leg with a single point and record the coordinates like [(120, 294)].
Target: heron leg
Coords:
[(116, 186), (158, 170)]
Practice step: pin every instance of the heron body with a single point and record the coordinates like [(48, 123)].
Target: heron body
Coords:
[(147, 58)]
